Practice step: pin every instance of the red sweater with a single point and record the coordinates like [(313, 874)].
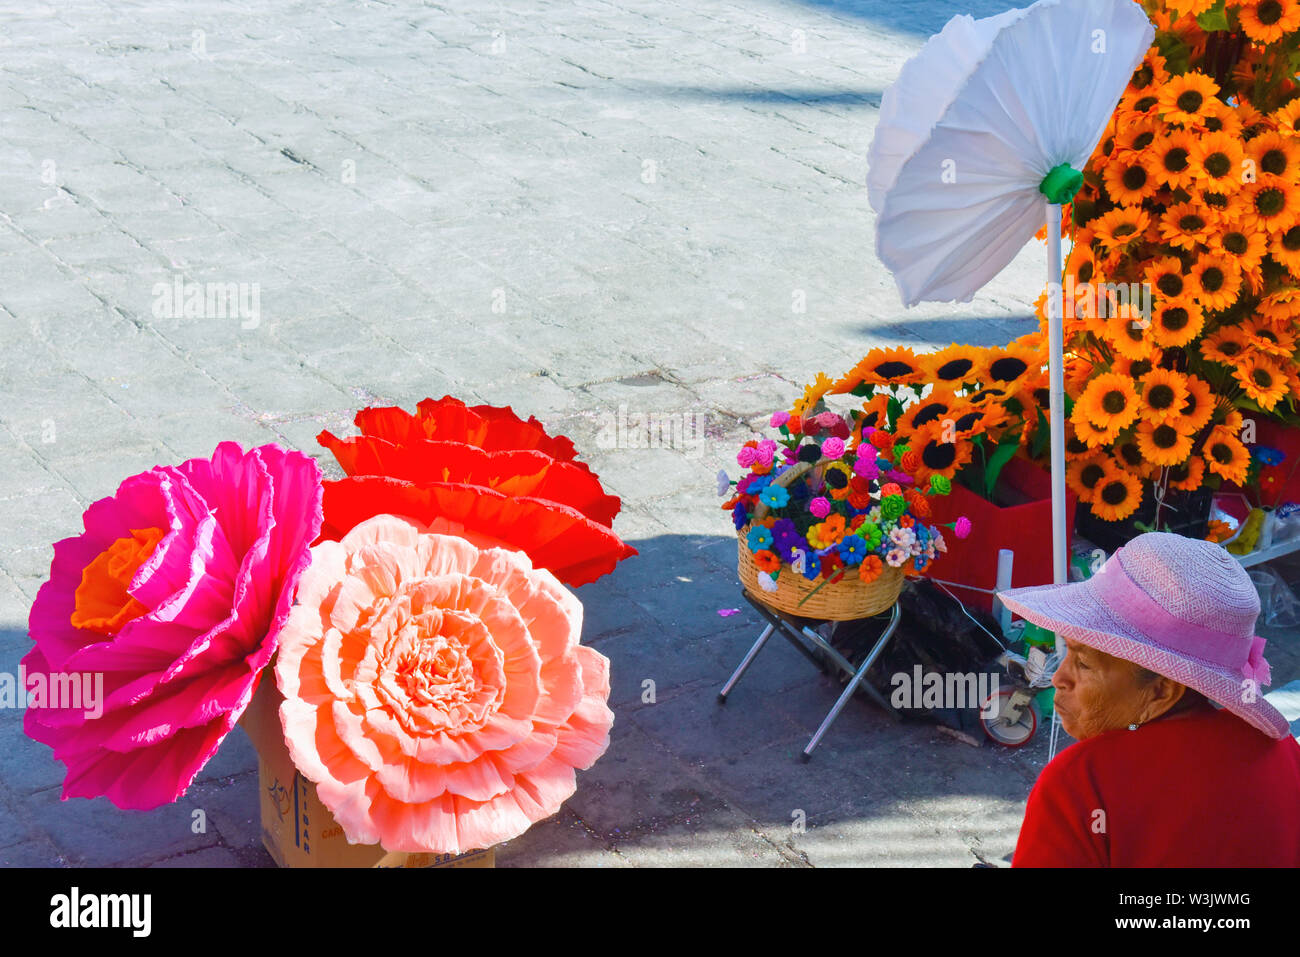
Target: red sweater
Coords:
[(1200, 789)]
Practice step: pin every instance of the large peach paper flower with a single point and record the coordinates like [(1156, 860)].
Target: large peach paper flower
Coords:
[(434, 687)]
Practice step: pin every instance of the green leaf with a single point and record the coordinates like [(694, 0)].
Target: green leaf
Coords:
[(893, 410), (996, 461), (863, 390), (1215, 18), (1014, 406), (1042, 435)]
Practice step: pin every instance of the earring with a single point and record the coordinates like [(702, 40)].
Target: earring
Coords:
[(1132, 727)]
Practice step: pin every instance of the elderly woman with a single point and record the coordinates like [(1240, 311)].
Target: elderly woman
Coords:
[(1179, 762)]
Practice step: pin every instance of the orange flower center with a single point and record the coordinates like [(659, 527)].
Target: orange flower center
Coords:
[(103, 603)]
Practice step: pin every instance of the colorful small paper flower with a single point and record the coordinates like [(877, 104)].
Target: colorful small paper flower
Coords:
[(740, 516), (759, 538), (896, 557), (747, 456), (940, 484), (812, 566), (1267, 455), (766, 581), (892, 506), (778, 419), (865, 465), (852, 549), (871, 568), (774, 496), (820, 506), (833, 448), (766, 561), (724, 482), (175, 594), (962, 527)]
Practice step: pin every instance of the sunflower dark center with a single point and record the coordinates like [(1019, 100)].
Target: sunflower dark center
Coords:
[(1236, 243), (969, 420), (1270, 201), (1191, 223), (836, 479), (1143, 76), (1114, 493), (1164, 436), (1263, 378), (1075, 445), (1291, 239), (1269, 12), (1114, 402), (1171, 284), (1143, 140), (1215, 200), (1273, 161), (955, 369), (1229, 347), (1212, 279), (1221, 453), (1189, 101), (893, 369), (1091, 474), (1140, 368), (1130, 453), (1008, 369), (1174, 319), (1085, 272), (929, 413), (939, 455), (1160, 396), (1135, 177), (1176, 158), (1124, 229), (1217, 164)]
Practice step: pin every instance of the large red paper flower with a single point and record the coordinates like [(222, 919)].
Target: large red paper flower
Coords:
[(435, 690), (484, 469), (170, 602)]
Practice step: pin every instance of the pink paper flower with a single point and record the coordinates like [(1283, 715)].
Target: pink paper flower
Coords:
[(865, 465), (833, 448), (173, 597), (778, 419), (820, 506), (746, 457), (962, 527), (435, 689)]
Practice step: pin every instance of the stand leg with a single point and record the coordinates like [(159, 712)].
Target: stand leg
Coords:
[(749, 657), (853, 685)]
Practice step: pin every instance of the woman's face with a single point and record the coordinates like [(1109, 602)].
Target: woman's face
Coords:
[(1096, 692)]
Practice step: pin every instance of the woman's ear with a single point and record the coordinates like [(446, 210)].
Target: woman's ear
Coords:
[(1162, 694)]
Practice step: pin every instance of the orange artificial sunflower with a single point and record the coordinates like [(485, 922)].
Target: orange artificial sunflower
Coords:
[(1283, 304), (1130, 338), (1262, 379), (1246, 246), (1271, 204), (1198, 407), (1166, 276), (1216, 161), (1109, 403), (1117, 496), (1084, 472), (1215, 282), (941, 401), (1225, 455), (1008, 366), (1162, 444), (1136, 136), (1184, 98), (1129, 178), (1275, 154), (1188, 476), (1133, 368), (896, 365), (938, 453), (1285, 248), (812, 394), (1176, 322), (1164, 393), (1269, 336), (1120, 227), (1129, 457), (1266, 21), (1287, 119), (1187, 225), (953, 365), (874, 414), (1171, 159)]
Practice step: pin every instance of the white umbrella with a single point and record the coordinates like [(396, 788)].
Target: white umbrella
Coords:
[(991, 120)]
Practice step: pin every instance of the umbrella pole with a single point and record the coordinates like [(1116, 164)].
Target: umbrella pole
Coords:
[(1056, 394)]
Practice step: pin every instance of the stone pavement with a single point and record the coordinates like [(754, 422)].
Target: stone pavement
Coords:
[(583, 209)]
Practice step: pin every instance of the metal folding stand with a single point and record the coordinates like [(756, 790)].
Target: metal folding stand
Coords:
[(798, 631)]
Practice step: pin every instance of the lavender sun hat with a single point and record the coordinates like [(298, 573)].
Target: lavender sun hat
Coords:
[(1180, 607)]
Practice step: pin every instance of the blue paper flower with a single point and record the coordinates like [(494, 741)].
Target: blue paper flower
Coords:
[(759, 538), (774, 496)]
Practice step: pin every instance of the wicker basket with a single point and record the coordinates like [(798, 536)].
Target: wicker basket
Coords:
[(845, 600)]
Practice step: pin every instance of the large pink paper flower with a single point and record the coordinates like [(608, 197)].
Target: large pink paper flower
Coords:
[(172, 598), (435, 689)]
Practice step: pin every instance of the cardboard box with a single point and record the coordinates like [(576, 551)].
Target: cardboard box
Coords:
[(297, 829)]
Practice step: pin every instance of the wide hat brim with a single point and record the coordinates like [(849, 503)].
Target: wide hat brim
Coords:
[(1077, 612)]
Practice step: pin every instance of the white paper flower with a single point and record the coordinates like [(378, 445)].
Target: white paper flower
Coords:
[(724, 482)]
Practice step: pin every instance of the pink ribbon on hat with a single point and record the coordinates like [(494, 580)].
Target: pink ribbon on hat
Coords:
[(1237, 653)]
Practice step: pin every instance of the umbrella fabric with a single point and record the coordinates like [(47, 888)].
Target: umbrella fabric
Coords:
[(976, 120)]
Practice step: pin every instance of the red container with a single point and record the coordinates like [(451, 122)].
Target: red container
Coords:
[(1278, 484), (1023, 524)]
